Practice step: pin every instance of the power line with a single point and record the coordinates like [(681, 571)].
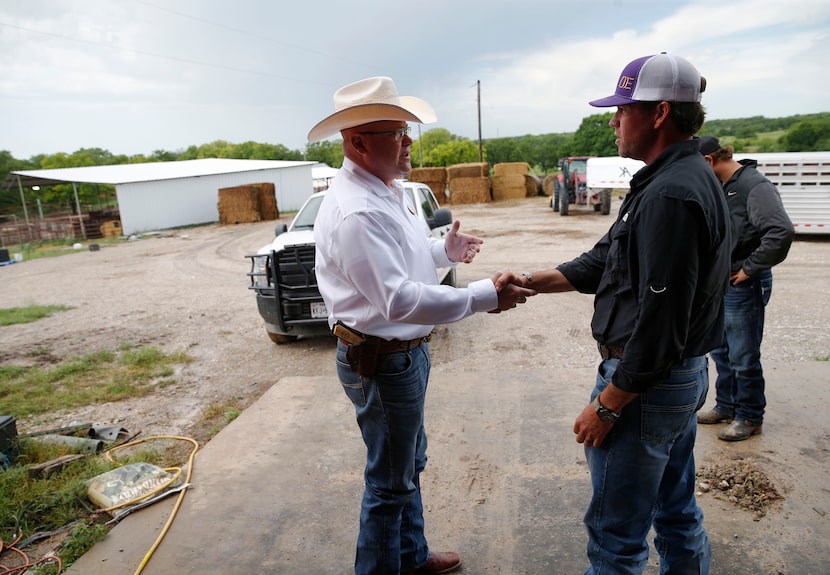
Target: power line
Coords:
[(239, 30), (155, 55)]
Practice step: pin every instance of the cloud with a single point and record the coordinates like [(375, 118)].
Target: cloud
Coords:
[(760, 58), (134, 76)]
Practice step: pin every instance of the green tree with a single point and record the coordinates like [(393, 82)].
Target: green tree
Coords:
[(326, 152), (163, 156), (502, 150), (594, 137), (438, 147), (191, 153), (10, 197), (459, 151), (806, 136)]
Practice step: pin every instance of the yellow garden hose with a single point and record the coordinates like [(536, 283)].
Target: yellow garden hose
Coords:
[(180, 498)]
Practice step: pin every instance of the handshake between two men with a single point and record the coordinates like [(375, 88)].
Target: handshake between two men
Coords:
[(511, 289)]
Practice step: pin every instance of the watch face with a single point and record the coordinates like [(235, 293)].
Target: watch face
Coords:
[(605, 415)]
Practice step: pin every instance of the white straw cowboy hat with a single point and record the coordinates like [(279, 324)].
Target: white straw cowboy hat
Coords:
[(371, 100)]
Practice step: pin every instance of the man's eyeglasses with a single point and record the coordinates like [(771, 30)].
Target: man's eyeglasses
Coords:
[(397, 134)]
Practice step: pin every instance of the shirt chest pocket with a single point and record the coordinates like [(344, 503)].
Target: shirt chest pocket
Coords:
[(617, 264)]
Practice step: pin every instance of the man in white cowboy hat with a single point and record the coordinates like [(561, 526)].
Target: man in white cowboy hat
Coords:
[(377, 273)]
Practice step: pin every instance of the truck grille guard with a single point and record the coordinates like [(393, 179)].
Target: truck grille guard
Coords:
[(286, 279)]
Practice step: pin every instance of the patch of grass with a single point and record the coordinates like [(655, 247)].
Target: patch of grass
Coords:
[(28, 314), (54, 248), (218, 415), (98, 377), (823, 358), (58, 504), (80, 540)]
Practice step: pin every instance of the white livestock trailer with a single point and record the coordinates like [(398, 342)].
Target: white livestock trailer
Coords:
[(611, 172), (803, 180)]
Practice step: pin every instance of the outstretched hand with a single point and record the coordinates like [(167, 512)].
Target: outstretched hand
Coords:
[(461, 247), (510, 294)]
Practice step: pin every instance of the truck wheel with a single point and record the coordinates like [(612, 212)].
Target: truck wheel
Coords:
[(605, 207), (563, 202), (281, 337), (555, 201)]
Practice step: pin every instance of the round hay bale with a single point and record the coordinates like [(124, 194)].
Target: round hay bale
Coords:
[(533, 184), (547, 184)]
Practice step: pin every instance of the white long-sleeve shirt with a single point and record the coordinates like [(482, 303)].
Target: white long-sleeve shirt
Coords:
[(376, 269)]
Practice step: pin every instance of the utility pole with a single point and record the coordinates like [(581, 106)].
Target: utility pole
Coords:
[(478, 100)]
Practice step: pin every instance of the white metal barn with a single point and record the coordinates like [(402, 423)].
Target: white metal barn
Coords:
[(162, 195)]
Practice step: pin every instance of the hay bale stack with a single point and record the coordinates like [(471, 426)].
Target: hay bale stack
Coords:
[(429, 176), (111, 229), (511, 169), (247, 203), (470, 170), (435, 178), (470, 190), (509, 187), (267, 201)]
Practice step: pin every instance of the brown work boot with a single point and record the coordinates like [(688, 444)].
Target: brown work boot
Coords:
[(712, 416), (441, 562), (739, 430)]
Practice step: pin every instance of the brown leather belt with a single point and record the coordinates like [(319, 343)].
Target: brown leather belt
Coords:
[(394, 345), (611, 351)]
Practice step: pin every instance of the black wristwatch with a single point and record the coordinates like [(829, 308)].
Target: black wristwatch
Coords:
[(604, 414)]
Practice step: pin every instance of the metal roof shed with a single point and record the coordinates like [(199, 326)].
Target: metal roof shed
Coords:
[(160, 195)]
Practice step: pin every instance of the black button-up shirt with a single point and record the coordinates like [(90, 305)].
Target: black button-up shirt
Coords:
[(660, 272)]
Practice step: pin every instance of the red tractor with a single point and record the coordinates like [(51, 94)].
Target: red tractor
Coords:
[(571, 187)]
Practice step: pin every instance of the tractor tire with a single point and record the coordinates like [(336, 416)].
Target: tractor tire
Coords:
[(563, 202), (605, 206), (555, 200)]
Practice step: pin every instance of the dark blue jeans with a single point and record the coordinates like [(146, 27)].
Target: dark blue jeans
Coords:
[(643, 475), (390, 413), (739, 388)]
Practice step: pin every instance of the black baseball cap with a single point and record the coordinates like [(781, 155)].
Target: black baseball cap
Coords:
[(709, 144)]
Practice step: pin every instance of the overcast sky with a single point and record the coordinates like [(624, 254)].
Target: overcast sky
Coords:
[(134, 76)]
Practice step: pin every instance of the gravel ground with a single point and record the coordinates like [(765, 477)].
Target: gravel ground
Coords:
[(186, 290)]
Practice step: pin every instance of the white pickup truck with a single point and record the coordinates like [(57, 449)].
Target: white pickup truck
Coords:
[(282, 272)]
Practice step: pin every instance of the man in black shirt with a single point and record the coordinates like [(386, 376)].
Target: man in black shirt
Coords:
[(658, 276), (762, 232)]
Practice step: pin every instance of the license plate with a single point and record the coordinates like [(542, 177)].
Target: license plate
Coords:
[(318, 310)]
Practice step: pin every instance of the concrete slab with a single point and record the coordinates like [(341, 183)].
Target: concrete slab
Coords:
[(278, 490)]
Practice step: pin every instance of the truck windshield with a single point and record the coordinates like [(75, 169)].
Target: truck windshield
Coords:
[(307, 214)]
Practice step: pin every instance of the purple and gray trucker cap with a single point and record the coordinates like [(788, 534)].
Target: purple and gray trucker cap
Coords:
[(655, 79)]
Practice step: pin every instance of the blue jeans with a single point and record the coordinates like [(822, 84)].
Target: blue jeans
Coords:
[(390, 413), (643, 475), (739, 388)]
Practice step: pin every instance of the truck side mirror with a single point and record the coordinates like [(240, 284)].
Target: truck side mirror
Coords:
[(443, 217), (280, 229)]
